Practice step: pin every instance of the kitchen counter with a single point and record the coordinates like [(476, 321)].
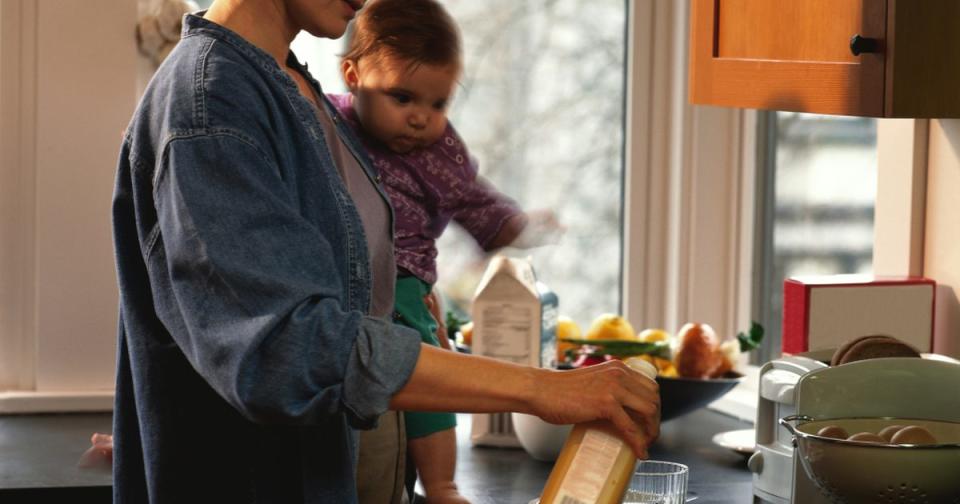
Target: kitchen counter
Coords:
[(40, 452), (717, 475)]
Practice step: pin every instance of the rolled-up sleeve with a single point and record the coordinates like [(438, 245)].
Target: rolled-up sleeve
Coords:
[(254, 296)]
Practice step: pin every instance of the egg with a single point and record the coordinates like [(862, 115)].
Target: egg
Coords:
[(866, 437), (832, 431), (888, 432), (913, 435)]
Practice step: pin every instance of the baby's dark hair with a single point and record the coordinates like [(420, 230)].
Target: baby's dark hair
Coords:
[(419, 31)]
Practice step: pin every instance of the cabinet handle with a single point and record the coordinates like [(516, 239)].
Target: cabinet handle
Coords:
[(860, 44)]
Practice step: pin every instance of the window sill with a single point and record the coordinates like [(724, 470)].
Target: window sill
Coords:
[(12, 403), (741, 402)]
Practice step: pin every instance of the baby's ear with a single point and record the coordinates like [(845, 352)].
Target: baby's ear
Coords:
[(348, 69)]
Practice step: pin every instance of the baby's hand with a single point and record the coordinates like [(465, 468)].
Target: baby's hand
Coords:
[(543, 228), (100, 453)]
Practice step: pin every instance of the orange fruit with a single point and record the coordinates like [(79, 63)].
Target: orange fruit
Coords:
[(566, 328), (466, 333), (610, 326)]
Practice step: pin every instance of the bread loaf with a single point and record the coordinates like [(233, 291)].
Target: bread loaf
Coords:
[(872, 347)]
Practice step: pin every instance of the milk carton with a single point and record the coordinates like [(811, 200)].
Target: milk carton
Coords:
[(514, 319)]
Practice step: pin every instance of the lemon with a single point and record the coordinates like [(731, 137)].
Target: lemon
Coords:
[(664, 366), (567, 328), (610, 326), (653, 335)]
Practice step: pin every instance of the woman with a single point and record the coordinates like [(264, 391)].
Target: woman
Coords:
[(255, 269)]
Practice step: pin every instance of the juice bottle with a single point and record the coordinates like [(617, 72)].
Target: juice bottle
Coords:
[(595, 464)]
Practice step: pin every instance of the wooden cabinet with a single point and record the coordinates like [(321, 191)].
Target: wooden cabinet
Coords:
[(799, 55)]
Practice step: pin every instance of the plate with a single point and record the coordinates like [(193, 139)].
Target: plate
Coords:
[(741, 441)]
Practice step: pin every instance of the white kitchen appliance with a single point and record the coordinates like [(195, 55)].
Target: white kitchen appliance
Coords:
[(899, 387), (772, 462)]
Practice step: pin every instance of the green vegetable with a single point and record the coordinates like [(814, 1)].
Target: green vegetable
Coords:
[(751, 340), (453, 323)]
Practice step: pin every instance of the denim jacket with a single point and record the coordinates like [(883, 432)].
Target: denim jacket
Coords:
[(245, 355)]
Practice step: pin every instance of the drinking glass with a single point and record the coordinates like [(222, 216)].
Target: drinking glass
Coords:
[(657, 482)]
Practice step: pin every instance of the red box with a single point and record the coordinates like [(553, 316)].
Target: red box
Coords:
[(822, 312)]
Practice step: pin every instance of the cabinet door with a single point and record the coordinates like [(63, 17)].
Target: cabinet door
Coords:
[(787, 55)]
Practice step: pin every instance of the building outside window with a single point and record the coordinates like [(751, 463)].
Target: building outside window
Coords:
[(820, 203), (541, 107)]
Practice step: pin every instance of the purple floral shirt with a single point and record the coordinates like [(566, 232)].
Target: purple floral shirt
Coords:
[(428, 187)]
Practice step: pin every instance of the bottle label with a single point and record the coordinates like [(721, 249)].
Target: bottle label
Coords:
[(590, 468)]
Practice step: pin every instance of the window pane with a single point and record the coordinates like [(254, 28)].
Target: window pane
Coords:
[(825, 186), (541, 107)]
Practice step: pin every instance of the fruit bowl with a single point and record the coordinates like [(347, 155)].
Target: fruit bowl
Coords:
[(679, 396)]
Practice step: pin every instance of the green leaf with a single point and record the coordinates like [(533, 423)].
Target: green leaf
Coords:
[(751, 340), (624, 348)]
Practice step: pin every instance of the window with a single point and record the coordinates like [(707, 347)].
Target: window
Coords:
[(819, 219), (541, 107)]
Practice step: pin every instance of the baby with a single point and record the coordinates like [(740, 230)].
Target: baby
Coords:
[(402, 65)]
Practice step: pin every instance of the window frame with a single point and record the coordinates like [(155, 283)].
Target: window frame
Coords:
[(688, 182), (17, 194)]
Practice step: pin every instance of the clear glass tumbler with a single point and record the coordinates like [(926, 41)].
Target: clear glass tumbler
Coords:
[(657, 482)]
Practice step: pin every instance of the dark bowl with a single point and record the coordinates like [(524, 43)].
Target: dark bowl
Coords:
[(679, 396)]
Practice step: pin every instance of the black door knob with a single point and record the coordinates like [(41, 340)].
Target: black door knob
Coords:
[(859, 45)]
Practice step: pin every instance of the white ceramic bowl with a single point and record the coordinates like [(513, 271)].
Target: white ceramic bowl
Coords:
[(542, 440)]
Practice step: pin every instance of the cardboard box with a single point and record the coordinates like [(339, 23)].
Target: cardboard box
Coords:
[(822, 312), (514, 319)]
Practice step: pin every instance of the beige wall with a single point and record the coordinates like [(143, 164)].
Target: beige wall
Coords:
[(941, 250), (75, 92)]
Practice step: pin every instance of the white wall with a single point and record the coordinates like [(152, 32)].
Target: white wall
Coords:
[(76, 104)]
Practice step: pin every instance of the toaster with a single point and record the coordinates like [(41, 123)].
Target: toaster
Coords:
[(772, 461)]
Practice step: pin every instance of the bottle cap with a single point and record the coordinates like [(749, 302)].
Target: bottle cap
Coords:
[(641, 365)]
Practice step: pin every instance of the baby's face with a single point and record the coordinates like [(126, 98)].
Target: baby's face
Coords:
[(402, 105)]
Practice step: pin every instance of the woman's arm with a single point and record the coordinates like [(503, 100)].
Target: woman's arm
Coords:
[(448, 381)]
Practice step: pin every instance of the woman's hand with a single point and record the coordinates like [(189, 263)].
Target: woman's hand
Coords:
[(450, 381), (610, 391)]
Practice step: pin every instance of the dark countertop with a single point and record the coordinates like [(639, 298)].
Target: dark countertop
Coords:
[(510, 476), (40, 453)]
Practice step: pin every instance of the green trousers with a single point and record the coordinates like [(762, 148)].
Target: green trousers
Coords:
[(411, 311)]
